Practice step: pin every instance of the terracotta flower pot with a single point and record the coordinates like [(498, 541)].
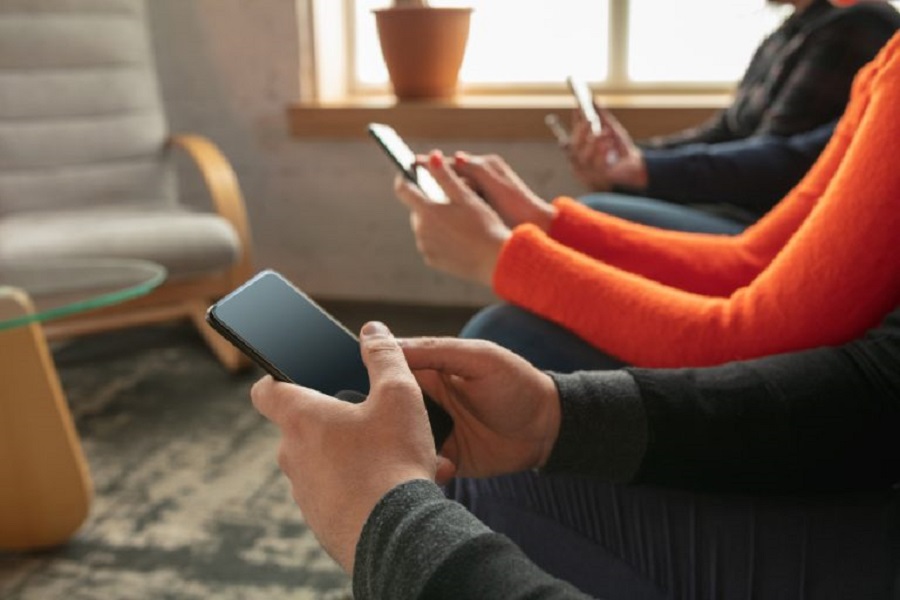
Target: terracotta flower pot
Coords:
[(423, 49)]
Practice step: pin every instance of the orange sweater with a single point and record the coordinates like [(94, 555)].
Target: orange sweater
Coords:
[(819, 269)]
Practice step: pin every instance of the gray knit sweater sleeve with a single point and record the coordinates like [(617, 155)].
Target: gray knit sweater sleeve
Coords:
[(418, 544)]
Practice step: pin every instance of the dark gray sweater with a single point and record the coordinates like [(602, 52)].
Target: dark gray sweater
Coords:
[(823, 419)]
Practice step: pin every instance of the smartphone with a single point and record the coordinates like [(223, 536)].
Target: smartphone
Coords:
[(405, 159), (585, 101), (295, 340)]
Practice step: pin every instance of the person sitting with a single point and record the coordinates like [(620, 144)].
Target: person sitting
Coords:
[(727, 172), (769, 478), (818, 269), (703, 188)]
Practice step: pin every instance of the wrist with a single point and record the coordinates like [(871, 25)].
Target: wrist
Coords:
[(630, 172), (358, 518), (640, 175), (498, 240), (546, 213), (551, 420)]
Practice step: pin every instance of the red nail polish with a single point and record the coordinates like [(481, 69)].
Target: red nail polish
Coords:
[(436, 159), (460, 159)]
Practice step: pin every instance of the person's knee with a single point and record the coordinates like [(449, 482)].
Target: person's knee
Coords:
[(492, 321)]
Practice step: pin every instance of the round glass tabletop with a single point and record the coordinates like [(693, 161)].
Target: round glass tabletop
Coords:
[(59, 288)]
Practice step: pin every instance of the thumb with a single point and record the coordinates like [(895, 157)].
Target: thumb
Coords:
[(383, 357)]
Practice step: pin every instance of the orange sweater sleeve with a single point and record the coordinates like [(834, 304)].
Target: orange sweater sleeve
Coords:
[(825, 272), (715, 265)]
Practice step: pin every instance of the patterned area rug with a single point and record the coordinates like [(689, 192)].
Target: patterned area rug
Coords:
[(189, 499)]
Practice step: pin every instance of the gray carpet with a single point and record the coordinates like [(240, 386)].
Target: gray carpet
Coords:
[(189, 500)]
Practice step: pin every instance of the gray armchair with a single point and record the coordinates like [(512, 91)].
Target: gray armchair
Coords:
[(86, 167)]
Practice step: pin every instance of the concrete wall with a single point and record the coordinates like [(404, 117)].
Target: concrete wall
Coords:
[(322, 212)]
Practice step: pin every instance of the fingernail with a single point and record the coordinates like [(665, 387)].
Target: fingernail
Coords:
[(461, 159), (375, 328), (436, 159)]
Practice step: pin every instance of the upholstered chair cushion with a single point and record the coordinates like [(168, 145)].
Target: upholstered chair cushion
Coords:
[(185, 242), (82, 132)]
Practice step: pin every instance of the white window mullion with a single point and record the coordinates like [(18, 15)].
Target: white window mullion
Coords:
[(618, 46), (341, 58), (331, 44)]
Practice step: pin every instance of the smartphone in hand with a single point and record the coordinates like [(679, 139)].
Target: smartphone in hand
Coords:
[(584, 98), (295, 340), (405, 160)]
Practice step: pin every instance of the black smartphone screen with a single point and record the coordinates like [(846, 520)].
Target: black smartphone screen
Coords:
[(287, 330), (405, 159), (296, 341)]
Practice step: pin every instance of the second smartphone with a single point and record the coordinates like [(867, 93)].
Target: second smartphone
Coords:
[(405, 160)]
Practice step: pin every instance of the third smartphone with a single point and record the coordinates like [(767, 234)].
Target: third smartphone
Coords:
[(585, 100)]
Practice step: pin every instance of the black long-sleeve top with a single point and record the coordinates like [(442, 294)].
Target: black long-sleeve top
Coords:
[(800, 76), (752, 174), (822, 419)]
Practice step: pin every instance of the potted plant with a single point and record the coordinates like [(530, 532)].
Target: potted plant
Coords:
[(423, 47)]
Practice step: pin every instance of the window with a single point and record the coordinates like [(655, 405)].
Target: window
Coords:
[(618, 45)]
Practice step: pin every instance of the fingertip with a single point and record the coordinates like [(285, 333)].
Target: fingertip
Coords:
[(373, 329), (436, 159)]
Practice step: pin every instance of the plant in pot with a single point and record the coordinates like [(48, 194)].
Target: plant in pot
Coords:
[(423, 47)]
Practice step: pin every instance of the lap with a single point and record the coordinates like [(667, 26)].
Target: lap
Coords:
[(664, 215), (545, 344), (618, 541)]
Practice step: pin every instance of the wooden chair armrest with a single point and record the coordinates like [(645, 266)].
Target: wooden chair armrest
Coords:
[(223, 186)]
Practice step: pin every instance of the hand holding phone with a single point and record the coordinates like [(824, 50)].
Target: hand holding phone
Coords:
[(585, 101), (296, 341), (405, 159)]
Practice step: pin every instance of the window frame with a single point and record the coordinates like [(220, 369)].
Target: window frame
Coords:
[(327, 56)]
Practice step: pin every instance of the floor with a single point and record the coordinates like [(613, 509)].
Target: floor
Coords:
[(189, 502)]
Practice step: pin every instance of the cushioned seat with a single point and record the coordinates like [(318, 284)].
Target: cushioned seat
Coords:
[(186, 243), (86, 166)]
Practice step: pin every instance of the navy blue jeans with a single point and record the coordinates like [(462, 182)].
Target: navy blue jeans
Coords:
[(545, 344), (664, 215)]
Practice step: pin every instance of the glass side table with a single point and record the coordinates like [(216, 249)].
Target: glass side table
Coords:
[(45, 485)]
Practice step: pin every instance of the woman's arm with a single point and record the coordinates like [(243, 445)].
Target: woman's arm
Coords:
[(835, 277), (753, 173), (717, 265)]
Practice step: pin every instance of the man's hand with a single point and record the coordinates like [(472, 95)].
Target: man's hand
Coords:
[(506, 413), (341, 458), (463, 236), (504, 190), (606, 160)]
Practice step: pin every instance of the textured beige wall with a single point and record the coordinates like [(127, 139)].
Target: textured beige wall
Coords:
[(322, 212)]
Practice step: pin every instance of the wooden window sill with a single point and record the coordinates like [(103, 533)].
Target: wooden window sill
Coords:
[(492, 118)]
